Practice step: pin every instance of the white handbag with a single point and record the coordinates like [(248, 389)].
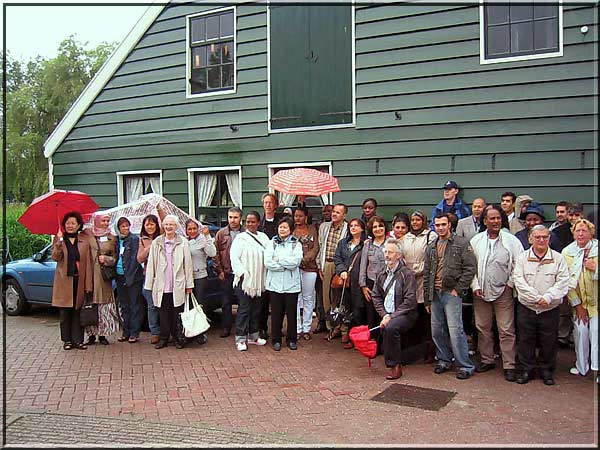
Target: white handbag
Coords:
[(194, 320)]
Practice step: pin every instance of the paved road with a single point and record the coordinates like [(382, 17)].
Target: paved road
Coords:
[(318, 395)]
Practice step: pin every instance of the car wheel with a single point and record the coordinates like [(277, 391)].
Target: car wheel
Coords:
[(14, 302)]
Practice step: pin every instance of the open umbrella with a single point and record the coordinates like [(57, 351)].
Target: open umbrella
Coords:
[(44, 214), (304, 182), (361, 338)]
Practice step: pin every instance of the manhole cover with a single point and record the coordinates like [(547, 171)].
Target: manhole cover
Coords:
[(415, 397)]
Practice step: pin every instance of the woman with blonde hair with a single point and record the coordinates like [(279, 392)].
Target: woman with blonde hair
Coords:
[(170, 277), (582, 259)]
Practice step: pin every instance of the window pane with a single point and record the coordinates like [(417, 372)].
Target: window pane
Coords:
[(226, 52), (198, 82), (197, 29), (227, 24), (214, 54), (521, 37), (498, 40), (228, 75), (545, 11), (521, 12), (212, 27), (198, 57), (546, 34), (214, 77), (497, 14)]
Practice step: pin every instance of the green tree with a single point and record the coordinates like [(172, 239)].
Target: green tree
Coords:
[(39, 93)]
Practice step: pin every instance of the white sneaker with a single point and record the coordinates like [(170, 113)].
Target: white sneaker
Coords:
[(241, 346), (574, 371), (258, 341)]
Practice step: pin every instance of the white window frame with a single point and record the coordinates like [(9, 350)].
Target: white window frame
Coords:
[(271, 168), (319, 127), (191, 183), (121, 175), (482, 59), (188, 67)]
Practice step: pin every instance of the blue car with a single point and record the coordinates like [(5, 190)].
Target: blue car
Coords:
[(29, 282)]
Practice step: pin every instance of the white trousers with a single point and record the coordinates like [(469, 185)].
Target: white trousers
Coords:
[(586, 336), (306, 301)]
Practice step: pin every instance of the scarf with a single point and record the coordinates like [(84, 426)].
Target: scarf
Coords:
[(578, 254), (117, 232), (97, 228), (253, 283), (72, 254)]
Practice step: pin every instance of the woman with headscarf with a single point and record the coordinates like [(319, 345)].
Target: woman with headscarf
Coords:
[(129, 281), (73, 278), (170, 277), (582, 259), (150, 231), (104, 253), (202, 247), (413, 250)]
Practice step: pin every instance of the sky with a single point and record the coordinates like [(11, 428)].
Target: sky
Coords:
[(33, 30)]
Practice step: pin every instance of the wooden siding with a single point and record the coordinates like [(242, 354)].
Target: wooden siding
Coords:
[(526, 126)]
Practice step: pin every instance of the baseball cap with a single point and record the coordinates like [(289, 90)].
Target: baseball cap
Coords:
[(450, 185), (533, 208)]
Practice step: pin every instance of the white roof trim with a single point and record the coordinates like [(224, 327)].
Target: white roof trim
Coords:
[(104, 74)]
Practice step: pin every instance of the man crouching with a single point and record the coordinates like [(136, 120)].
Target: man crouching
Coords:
[(394, 298)]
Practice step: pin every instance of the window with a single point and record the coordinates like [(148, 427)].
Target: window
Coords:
[(513, 31), (311, 66), (215, 190), (132, 185), (211, 55)]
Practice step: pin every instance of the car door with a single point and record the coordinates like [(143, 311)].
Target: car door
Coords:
[(39, 277)]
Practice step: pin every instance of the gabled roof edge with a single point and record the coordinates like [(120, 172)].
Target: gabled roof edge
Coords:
[(101, 78)]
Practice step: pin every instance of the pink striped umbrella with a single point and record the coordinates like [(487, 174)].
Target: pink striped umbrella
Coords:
[(304, 182)]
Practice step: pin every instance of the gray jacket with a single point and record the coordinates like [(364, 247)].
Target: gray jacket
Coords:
[(405, 296), (460, 266)]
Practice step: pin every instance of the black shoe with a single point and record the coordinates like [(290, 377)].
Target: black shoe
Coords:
[(263, 334), (179, 344), (225, 332), (484, 367), (440, 369), (547, 377), (463, 374), (509, 375), (92, 340), (523, 378), (292, 346), (202, 339), (161, 344), (321, 327), (103, 340), (276, 346)]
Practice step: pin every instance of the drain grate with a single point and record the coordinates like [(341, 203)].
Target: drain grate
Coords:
[(415, 397)]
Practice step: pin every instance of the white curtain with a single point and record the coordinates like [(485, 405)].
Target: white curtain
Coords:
[(206, 184), (286, 199), (233, 185), (155, 184), (133, 188)]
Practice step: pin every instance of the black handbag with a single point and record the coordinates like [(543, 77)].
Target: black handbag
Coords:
[(108, 272), (88, 315)]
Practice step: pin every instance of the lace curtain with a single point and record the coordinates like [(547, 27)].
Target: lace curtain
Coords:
[(134, 187), (233, 186)]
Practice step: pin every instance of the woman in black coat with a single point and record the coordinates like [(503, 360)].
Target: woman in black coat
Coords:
[(347, 264)]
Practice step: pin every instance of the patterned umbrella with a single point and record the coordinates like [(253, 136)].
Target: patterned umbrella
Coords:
[(304, 182)]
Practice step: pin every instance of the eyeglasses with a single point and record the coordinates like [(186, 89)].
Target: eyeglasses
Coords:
[(541, 238)]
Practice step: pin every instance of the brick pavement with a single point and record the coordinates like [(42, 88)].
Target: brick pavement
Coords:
[(319, 394)]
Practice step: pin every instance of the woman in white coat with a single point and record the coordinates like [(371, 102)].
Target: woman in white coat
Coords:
[(248, 266), (169, 275)]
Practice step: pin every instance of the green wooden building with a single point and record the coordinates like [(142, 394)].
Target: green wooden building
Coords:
[(203, 103)]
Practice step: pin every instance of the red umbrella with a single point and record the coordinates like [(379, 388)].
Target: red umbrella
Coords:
[(361, 338), (304, 182), (46, 211)]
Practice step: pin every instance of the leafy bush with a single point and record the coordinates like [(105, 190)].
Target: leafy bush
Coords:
[(21, 243)]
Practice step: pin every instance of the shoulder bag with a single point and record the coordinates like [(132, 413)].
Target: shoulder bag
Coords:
[(88, 315), (108, 272), (194, 320), (337, 282)]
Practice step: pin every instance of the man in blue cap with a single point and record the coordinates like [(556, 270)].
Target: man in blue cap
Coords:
[(450, 203)]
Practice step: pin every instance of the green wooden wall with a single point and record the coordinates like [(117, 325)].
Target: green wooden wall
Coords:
[(527, 126)]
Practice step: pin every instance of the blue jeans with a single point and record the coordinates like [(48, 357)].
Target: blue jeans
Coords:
[(153, 320), (447, 331), (129, 302)]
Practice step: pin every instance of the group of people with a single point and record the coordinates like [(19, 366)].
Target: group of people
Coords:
[(526, 281)]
